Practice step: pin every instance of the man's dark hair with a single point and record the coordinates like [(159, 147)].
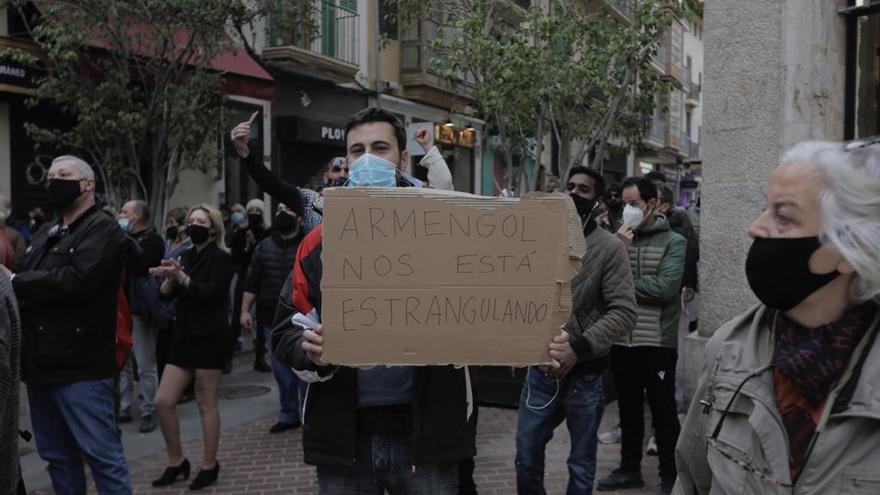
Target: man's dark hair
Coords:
[(656, 176), (373, 114), (596, 176), (647, 189), (666, 195), (613, 188)]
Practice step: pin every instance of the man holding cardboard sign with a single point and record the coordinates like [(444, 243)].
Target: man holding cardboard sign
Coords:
[(400, 429)]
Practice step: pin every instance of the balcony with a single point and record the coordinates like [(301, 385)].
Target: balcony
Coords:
[(655, 131), (332, 53), (417, 76), (692, 95)]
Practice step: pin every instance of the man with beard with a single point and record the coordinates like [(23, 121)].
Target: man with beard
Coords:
[(604, 311)]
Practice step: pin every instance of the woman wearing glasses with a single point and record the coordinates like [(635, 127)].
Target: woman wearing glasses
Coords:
[(789, 396)]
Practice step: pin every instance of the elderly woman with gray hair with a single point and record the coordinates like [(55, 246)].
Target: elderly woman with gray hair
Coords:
[(789, 395)]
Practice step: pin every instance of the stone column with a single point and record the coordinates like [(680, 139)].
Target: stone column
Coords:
[(774, 76)]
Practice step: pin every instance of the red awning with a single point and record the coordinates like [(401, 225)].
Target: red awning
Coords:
[(243, 76)]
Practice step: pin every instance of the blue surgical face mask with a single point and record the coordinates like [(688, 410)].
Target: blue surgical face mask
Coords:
[(237, 218), (372, 171), (124, 224)]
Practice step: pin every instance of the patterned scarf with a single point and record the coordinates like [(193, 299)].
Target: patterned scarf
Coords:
[(814, 359)]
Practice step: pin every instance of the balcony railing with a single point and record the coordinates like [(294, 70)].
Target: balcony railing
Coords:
[(337, 35)]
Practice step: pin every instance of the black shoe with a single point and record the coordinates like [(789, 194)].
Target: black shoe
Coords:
[(666, 487), (205, 478), (148, 423), (124, 417), (280, 427), (261, 366), (619, 479), (171, 473)]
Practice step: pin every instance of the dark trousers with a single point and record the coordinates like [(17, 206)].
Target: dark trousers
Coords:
[(641, 371)]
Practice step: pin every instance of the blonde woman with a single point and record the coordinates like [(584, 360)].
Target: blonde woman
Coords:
[(201, 341)]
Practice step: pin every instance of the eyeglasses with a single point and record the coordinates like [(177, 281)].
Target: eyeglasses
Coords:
[(729, 453), (856, 145)]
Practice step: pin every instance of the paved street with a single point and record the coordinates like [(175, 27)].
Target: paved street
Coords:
[(255, 462)]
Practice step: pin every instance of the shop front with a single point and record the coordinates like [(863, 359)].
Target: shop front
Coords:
[(309, 126)]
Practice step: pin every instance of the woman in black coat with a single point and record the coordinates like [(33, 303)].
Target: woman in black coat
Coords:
[(201, 341)]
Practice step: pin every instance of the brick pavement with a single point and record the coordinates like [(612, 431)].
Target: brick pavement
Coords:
[(255, 462)]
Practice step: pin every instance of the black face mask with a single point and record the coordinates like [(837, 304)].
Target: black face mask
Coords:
[(63, 192), (198, 234), (255, 219), (584, 206), (779, 273), (171, 233), (285, 223)]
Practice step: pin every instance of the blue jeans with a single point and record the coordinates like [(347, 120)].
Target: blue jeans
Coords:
[(543, 404), (289, 384), (384, 462), (77, 420)]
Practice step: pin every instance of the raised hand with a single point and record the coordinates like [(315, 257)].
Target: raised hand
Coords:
[(241, 134)]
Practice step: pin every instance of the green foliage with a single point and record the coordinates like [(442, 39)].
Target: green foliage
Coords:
[(555, 67), (137, 78)]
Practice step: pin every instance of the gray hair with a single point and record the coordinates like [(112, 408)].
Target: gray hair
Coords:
[(84, 168), (143, 209), (849, 199)]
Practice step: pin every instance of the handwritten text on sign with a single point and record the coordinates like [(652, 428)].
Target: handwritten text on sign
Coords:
[(409, 271)]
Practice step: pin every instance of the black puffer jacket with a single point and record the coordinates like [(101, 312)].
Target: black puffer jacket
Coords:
[(67, 286), (270, 266)]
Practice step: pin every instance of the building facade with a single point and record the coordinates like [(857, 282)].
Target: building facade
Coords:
[(777, 72)]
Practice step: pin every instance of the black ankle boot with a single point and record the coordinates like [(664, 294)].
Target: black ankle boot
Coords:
[(205, 478), (171, 473)]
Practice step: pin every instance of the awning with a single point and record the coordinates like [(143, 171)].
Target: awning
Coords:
[(243, 76)]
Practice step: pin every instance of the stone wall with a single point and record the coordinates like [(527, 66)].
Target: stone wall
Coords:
[(774, 72)]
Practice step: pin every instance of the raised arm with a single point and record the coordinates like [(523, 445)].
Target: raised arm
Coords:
[(275, 187)]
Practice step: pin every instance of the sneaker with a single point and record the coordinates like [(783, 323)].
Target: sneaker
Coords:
[(651, 449), (124, 416), (148, 423), (620, 479), (612, 436)]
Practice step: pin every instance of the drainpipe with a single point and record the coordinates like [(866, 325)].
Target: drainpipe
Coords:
[(378, 67)]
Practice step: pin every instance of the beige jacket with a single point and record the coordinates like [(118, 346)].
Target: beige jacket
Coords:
[(750, 453)]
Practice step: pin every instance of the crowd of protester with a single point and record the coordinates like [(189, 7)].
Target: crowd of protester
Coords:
[(98, 297)]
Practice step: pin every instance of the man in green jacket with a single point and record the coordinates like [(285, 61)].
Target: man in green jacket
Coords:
[(643, 362)]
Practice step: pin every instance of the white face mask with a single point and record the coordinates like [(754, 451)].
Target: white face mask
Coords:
[(633, 216)]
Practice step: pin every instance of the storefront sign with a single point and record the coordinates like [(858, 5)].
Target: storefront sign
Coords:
[(317, 131), (15, 74)]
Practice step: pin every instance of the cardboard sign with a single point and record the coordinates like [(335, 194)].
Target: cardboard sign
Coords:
[(420, 276)]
